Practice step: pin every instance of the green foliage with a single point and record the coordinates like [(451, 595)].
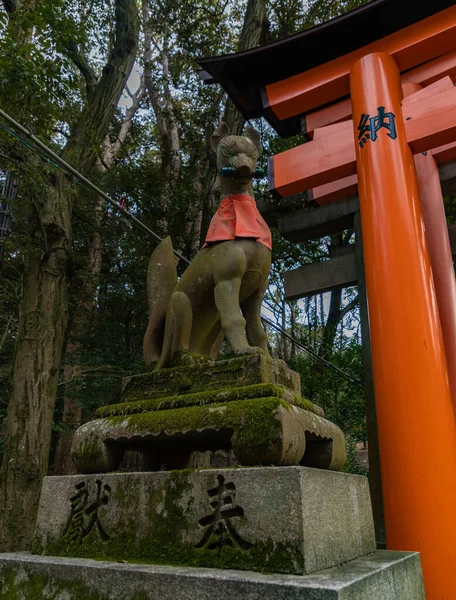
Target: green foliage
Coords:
[(319, 11), (342, 400)]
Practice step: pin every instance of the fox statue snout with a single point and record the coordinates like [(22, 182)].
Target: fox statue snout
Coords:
[(220, 293)]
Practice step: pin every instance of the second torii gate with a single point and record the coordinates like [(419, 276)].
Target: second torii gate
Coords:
[(348, 92)]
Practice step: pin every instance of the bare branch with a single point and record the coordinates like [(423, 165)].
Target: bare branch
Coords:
[(129, 115), (214, 13), (58, 130), (350, 306), (5, 333), (156, 46), (83, 65)]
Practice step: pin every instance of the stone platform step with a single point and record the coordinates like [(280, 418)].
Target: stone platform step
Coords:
[(383, 575), (205, 376), (293, 520)]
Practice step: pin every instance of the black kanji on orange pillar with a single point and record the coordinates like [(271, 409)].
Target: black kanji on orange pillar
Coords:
[(369, 126)]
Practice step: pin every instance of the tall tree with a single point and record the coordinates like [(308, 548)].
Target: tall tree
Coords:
[(254, 32), (84, 293), (44, 306)]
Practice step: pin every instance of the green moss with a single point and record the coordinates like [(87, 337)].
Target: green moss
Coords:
[(260, 390), (254, 422), (89, 455), (43, 586), (166, 541), (235, 372)]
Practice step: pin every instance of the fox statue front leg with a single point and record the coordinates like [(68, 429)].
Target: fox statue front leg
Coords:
[(251, 309), (228, 276)]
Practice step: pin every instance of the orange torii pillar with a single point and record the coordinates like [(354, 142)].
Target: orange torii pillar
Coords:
[(416, 423), (434, 219)]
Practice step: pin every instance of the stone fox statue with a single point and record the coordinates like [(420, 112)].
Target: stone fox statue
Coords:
[(221, 291)]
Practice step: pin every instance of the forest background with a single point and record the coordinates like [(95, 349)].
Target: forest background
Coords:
[(112, 87)]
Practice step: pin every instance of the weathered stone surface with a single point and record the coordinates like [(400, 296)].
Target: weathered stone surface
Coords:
[(260, 431), (288, 520), (241, 371), (218, 396), (380, 576)]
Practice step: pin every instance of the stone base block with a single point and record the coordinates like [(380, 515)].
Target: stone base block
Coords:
[(205, 376), (380, 576), (278, 520)]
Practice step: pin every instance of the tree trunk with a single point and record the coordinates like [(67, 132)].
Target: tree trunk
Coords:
[(71, 418), (44, 309), (251, 36), (160, 98), (72, 412), (293, 309), (43, 319), (329, 331)]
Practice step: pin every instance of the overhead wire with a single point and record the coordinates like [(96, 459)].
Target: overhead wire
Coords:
[(70, 171), (79, 177), (312, 353)]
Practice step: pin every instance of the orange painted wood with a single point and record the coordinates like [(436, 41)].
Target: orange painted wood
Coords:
[(330, 130), (413, 94), (430, 123), (330, 192), (444, 153), (411, 46), (436, 227), (412, 394), (335, 113), (432, 70), (441, 257), (318, 162), (342, 111)]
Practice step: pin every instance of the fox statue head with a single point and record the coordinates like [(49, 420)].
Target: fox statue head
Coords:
[(237, 156)]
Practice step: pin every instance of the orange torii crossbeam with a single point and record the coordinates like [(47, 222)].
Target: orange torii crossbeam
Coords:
[(326, 83), (348, 186), (430, 122), (425, 75)]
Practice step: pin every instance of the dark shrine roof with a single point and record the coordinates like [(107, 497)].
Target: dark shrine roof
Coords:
[(243, 74)]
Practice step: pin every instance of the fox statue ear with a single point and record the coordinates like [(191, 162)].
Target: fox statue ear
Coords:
[(253, 135), (218, 135)]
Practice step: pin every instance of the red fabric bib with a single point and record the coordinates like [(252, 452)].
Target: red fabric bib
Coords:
[(238, 217)]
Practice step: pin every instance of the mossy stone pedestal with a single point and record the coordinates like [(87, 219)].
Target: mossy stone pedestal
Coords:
[(251, 405), (210, 533), (314, 527), (274, 519)]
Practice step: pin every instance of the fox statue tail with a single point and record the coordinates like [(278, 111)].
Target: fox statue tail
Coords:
[(161, 280)]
